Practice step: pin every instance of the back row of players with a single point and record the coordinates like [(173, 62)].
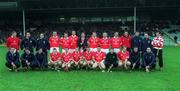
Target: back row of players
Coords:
[(83, 52)]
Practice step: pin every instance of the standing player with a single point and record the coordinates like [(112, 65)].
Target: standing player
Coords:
[(123, 57), (93, 42), (126, 40), (55, 59), (28, 42), (146, 42), (54, 41), (136, 41), (73, 41), (13, 41), (82, 42), (88, 58), (43, 44), (158, 48), (116, 42), (65, 42), (99, 58), (66, 58), (77, 58), (149, 60), (105, 43), (12, 60)]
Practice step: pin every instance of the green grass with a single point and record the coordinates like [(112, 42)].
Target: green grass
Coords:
[(168, 80)]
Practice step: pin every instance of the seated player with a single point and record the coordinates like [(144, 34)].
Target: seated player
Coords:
[(66, 58), (88, 58), (149, 60), (40, 57), (135, 58), (99, 58), (123, 57), (77, 58), (12, 60), (55, 59), (28, 60), (111, 60)]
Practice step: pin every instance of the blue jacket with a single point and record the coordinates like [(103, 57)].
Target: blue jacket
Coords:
[(12, 57)]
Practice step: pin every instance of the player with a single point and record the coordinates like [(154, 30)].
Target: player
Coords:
[(28, 42), (54, 41), (12, 60), (116, 42), (105, 43), (13, 41), (73, 41), (82, 42), (123, 57), (148, 60), (126, 40), (88, 57), (93, 42), (157, 43), (55, 60), (66, 58), (77, 58), (146, 42), (99, 58), (65, 42)]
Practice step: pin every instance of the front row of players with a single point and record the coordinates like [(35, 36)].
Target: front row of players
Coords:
[(79, 60)]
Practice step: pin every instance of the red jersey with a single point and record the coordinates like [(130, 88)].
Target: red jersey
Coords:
[(73, 41), (99, 56), (66, 57), (54, 41), (123, 56), (65, 43), (93, 42), (77, 56), (104, 43), (116, 42), (55, 56), (88, 55), (157, 42), (126, 41), (12, 42)]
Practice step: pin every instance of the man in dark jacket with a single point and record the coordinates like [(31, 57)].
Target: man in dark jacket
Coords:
[(149, 60), (135, 58), (28, 42), (111, 60), (146, 42), (82, 41), (136, 41), (12, 59), (41, 59), (28, 60)]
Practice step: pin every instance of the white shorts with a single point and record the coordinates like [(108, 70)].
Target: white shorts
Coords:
[(51, 49), (105, 50), (93, 49), (72, 50), (116, 50)]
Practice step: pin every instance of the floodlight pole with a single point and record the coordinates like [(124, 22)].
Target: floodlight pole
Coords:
[(134, 19), (24, 23)]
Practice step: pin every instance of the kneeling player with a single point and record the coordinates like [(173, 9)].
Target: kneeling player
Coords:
[(55, 59), (40, 57), (88, 58), (123, 57), (28, 60), (77, 58), (12, 58), (99, 57), (148, 60), (135, 58), (111, 60), (66, 58)]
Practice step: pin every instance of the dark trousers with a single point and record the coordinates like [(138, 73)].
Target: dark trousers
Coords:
[(159, 56), (8, 64), (46, 59), (32, 64)]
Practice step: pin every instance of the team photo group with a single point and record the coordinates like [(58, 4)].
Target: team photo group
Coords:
[(81, 52)]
